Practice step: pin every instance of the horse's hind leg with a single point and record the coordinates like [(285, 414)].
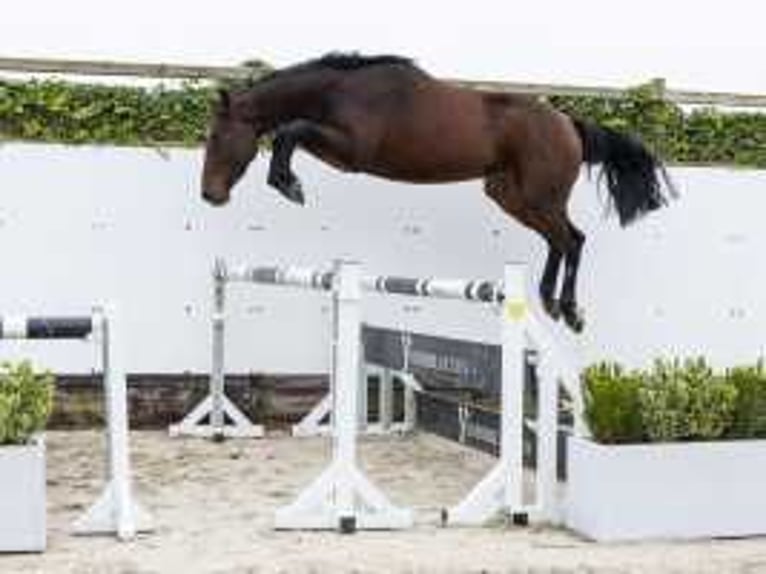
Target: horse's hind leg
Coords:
[(564, 241), (549, 281), (503, 190), (569, 308)]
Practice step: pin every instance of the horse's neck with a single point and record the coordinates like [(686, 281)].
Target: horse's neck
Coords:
[(281, 100)]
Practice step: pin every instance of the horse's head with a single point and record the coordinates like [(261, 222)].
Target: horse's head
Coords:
[(232, 144)]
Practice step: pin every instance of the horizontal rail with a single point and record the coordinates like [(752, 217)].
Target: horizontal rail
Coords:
[(306, 277), (23, 327), (197, 72), (129, 69), (311, 278), (468, 290)]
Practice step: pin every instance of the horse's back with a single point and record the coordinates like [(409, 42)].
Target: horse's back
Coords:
[(414, 127), (422, 129)]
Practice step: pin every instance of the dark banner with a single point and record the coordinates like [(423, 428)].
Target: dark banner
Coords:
[(439, 363)]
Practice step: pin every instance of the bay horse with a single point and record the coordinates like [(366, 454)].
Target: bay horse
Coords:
[(383, 115)]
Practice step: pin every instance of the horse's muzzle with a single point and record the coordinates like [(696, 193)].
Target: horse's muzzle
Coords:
[(214, 199)]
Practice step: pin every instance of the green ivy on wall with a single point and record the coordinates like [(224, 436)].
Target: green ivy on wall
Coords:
[(53, 111), (699, 136), (57, 111)]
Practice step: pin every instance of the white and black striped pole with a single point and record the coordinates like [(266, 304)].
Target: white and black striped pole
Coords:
[(33, 327), (466, 290)]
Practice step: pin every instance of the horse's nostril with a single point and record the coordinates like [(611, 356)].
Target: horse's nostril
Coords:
[(213, 199)]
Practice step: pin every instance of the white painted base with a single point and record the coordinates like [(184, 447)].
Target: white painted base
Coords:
[(240, 427), (106, 517), (316, 508), (23, 497), (489, 499), (316, 421), (311, 424), (672, 490)]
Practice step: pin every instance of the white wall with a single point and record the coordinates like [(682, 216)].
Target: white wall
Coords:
[(80, 225)]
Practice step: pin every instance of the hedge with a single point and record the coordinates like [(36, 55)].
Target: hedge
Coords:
[(74, 113)]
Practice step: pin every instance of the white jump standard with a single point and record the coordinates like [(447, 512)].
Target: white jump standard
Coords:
[(115, 511), (501, 490), (341, 497), (225, 420)]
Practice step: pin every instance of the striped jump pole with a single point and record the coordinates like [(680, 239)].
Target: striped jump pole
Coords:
[(116, 510), (464, 290)]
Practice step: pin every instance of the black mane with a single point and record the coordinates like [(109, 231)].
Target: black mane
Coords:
[(354, 61), (339, 61)]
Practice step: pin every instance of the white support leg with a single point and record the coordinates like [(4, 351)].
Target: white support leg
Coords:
[(411, 388), (386, 423), (385, 400), (313, 423), (363, 392), (501, 491), (317, 421), (224, 419), (546, 478), (342, 497), (116, 511)]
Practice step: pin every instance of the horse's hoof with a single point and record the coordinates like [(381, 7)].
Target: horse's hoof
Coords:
[(573, 318), (294, 192), (553, 308)]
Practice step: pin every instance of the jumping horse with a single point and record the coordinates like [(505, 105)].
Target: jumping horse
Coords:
[(384, 116)]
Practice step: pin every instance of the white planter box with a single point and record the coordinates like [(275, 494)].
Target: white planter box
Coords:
[(671, 490), (22, 497)]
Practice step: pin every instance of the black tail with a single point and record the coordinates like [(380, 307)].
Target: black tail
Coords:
[(634, 176)]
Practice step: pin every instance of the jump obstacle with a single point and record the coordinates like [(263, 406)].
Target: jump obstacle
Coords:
[(342, 497), (217, 416), (116, 510)]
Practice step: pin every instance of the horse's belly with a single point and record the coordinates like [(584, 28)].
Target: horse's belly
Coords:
[(432, 159)]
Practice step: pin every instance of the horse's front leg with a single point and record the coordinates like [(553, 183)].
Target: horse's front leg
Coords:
[(330, 144), (281, 176)]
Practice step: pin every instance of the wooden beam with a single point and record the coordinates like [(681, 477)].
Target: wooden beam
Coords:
[(193, 72), (106, 68)]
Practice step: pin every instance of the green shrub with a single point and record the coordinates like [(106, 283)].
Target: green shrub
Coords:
[(750, 408), (686, 401), (611, 403), (26, 400)]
